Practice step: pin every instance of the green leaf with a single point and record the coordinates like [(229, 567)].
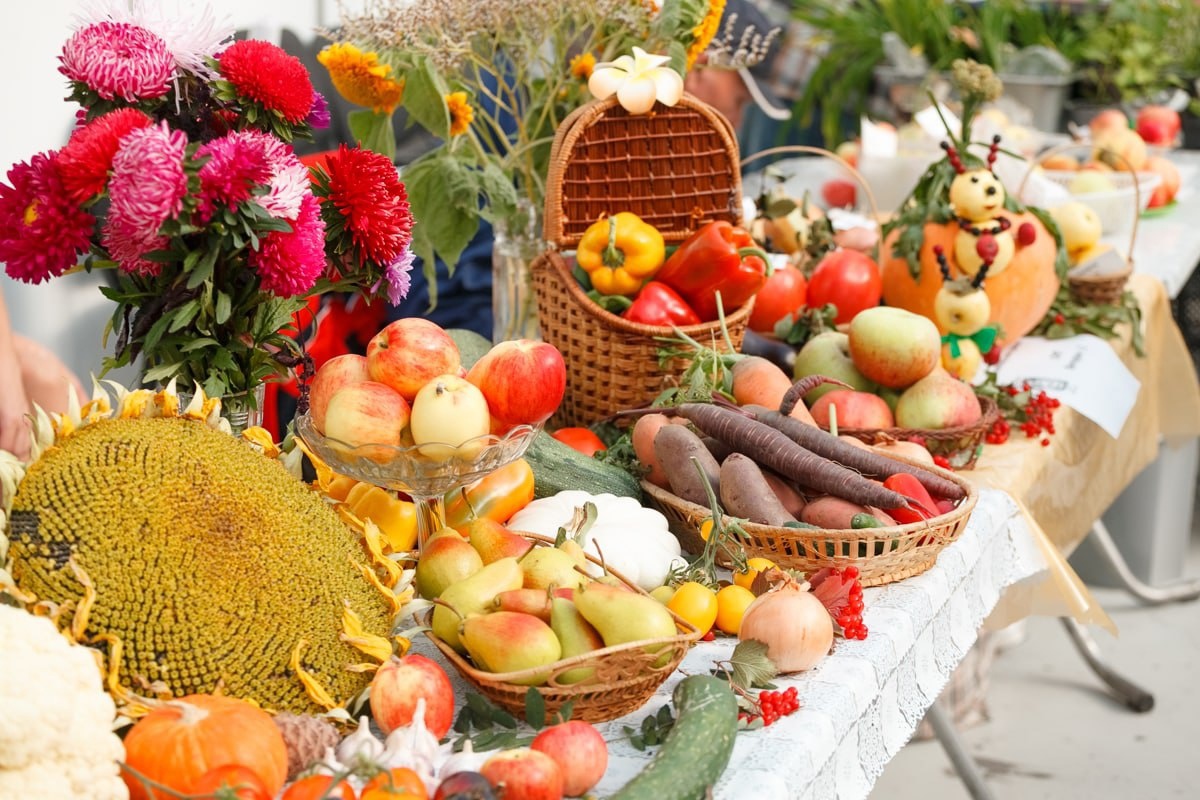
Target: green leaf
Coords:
[(198, 343), (463, 723), (535, 709), (224, 308), (749, 665), (425, 99), (565, 711), (162, 372), (156, 331), (373, 130), (184, 315), (497, 187), (443, 197), (504, 719), (204, 269)]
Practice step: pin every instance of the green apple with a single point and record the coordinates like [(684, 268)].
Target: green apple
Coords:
[(829, 354), (894, 347)]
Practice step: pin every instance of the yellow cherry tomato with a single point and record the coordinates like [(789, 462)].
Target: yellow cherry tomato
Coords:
[(754, 567), (662, 594), (696, 603), (732, 602), (706, 529)]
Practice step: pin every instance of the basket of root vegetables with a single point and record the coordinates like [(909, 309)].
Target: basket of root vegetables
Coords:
[(807, 499)]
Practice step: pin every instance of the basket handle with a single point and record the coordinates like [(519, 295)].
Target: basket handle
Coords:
[(1074, 145)]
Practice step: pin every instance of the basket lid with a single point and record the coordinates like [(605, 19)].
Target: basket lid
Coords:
[(676, 168)]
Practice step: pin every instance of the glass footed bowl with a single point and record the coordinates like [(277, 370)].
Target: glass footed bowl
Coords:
[(422, 471)]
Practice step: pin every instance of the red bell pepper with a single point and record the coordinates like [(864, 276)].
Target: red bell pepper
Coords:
[(717, 258), (659, 305), (920, 506)]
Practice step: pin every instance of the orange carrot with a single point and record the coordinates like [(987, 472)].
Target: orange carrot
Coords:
[(759, 381)]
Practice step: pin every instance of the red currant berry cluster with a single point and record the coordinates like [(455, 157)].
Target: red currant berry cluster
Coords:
[(773, 705), (998, 433), (1038, 413), (850, 620)]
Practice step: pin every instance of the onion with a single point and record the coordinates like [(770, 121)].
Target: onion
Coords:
[(791, 622)]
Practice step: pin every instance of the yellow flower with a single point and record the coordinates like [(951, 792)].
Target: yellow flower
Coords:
[(461, 114), (360, 78), (704, 32), (582, 65)]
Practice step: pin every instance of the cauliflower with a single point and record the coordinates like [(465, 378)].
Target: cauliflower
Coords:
[(56, 739)]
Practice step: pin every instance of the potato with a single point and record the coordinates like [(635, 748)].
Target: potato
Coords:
[(788, 494), (675, 446), (644, 431)]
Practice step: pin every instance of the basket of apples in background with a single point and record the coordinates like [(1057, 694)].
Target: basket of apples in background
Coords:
[(409, 413)]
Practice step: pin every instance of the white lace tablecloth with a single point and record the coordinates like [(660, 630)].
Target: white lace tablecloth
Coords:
[(863, 702)]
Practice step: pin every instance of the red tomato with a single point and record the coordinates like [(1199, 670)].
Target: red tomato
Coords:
[(316, 787), (581, 439), (782, 295), (848, 279), (244, 782)]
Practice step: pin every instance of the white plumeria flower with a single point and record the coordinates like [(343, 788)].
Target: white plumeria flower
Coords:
[(637, 81)]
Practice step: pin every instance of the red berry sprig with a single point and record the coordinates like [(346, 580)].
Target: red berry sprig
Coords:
[(850, 619), (773, 705)]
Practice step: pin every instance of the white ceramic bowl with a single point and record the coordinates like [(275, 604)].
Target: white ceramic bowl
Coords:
[(1116, 208)]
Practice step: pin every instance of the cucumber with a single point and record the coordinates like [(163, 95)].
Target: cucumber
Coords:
[(557, 467), (863, 520), (696, 749), (471, 346)]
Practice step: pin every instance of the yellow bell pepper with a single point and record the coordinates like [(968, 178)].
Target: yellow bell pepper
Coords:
[(620, 253), (396, 518)]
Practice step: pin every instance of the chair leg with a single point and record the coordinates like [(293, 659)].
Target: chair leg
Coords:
[(1130, 694), (1151, 595), (964, 764)]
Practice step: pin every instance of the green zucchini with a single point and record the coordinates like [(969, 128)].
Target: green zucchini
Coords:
[(697, 747), (557, 467)]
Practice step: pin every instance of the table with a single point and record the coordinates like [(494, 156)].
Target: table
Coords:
[(861, 704), (1168, 243)]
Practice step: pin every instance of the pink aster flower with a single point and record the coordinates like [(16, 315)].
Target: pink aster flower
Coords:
[(398, 276), (42, 231), (289, 264), (237, 164), (119, 60), (289, 183), (192, 31), (147, 188)]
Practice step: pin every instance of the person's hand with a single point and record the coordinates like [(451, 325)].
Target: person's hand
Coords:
[(14, 410)]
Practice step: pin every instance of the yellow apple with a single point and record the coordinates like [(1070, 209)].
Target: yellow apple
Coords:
[(1090, 181), (447, 414), (966, 364), (1079, 225), (961, 308)]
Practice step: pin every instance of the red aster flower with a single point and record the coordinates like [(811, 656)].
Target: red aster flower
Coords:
[(42, 231), (266, 74), (367, 199), (85, 161)]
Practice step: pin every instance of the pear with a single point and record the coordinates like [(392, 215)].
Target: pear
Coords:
[(472, 596), (572, 548), (526, 601), (575, 635), (621, 616), (509, 641), (547, 567), (446, 559), (493, 541)]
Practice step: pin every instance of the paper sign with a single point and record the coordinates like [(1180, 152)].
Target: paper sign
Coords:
[(931, 123), (1082, 372)]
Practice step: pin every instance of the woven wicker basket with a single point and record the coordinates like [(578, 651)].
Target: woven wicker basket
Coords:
[(677, 169), (960, 445), (1103, 289), (882, 555), (626, 675)]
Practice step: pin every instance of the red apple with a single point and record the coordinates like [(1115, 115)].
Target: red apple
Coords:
[(894, 347), (409, 353), (839, 193), (1107, 120), (1165, 191), (854, 410), (937, 401), (366, 413), (580, 752), (1158, 125), (525, 774), (523, 381), (398, 685), (335, 373)]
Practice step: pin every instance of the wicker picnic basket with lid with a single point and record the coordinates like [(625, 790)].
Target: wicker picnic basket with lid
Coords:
[(677, 169), (882, 555), (624, 678)]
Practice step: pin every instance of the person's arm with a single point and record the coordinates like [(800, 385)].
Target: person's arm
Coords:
[(14, 405)]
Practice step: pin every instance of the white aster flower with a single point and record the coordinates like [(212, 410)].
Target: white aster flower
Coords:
[(191, 30)]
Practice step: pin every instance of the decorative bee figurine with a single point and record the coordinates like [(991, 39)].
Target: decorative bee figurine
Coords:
[(961, 310), (976, 195)]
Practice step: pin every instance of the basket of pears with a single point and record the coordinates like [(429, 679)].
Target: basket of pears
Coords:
[(514, 610)]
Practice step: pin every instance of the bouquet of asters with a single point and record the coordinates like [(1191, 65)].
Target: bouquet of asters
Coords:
[(180, 178)]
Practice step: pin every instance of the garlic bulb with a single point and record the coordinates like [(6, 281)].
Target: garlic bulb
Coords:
[(465, 761), (360, 747)]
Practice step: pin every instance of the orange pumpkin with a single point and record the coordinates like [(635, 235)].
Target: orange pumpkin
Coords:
[(181, 740), (1020, 295)]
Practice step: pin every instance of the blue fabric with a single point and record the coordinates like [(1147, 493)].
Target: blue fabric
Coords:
[(464, 298)]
